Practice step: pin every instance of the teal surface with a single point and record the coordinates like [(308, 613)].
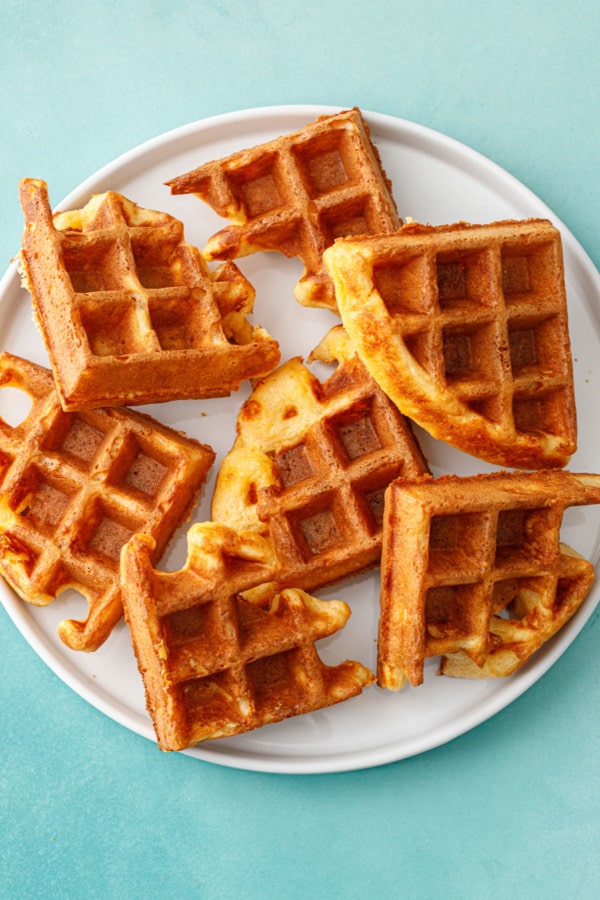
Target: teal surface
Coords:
[(511, 809)]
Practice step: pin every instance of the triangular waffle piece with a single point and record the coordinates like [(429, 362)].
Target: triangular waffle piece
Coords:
[(215, 665), (74, 487), (129, 313), (465, 328), (297, 194), (473, 570), (310, 465)]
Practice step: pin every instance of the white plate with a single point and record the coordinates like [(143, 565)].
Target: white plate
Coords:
[(435, 180)]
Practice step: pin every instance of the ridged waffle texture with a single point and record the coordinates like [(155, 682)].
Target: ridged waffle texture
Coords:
[(297, 194), (215, 665), (473, 570), (74, 487), (465, 328), (129, 313), (311, 463)]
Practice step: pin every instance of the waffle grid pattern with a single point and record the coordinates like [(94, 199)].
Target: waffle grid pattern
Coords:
[(75, 487), (491, 543), (466, 328), (297, 194), (217, 664), (493, 327), (323, 453), (131, 313), (329, 500)]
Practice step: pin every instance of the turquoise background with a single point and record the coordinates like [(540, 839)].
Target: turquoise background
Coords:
[(511, 809)]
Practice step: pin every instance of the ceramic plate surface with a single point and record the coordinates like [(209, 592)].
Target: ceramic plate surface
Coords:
[(436, 180)]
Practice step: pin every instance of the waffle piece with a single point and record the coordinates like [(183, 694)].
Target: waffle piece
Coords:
[(465, 328), (473, 570), (74, 487), (297, 194), (215, 665), (310, 465), (530, 619), (131, 314)]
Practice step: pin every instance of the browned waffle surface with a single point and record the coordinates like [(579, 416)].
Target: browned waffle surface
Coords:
[(74, 487), (465, 327), (215, 665), (310, 465), (130, 313), (473, 570), (536, 613), (297, 194)]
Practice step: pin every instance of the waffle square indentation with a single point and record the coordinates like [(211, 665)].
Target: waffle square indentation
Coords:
[(545, 412), (458, 545), (422, 346), (177, 323), (187, 625), (449, 610), (353, 217), (402, 285), (154, 261), (458, 355), (257, 186), (357, 435), (530, 275), (523, 352), (315, 531), (515, 275), (537, 343), (80, 439), (468, 355), (108, 537), (99, 269), (217, 696), (112, 328), (44, 502), (145, 475), (451, 281), (465, 279), (526, 538), (294, 465), (272, 680), (321, 163), (375, 506)]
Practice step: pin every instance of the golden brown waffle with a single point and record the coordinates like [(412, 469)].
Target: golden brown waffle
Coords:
[(531, 618), (129, 312), (465, 328), (74, 487), (215, 665), (297, 194), (473, 570), (310, 465)]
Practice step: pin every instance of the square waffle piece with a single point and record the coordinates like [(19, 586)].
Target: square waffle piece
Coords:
[(310, 465), (297, 194), (465, 328), (130, 313), (473, 570), (215, 665), (74, 487)]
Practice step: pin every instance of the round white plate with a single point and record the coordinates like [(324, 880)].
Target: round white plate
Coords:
[(436, 180)]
